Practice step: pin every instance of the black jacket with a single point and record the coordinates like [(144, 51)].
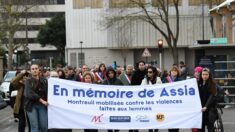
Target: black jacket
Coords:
[(137, 77), (32, 94), (207, 99), (112, 81)]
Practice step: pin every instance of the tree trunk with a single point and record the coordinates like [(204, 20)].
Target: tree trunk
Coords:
[(10, 51), (175, 55), (124, 59)]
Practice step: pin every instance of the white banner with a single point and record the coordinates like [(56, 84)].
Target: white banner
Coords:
[(81, 106)]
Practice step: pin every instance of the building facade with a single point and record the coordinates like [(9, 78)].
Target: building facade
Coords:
[(88, 41), (30, 23)]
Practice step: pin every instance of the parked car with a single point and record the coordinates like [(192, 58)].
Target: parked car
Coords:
[(5, 86), (3, 103)]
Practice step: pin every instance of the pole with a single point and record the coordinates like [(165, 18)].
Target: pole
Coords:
[(81, 54), (203, 35), (51, 63), (160, 60)]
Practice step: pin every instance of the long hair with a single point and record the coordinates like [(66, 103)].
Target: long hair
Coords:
[(210, 82), (87, 73), (102, 64), (175, 69), (155, 74)]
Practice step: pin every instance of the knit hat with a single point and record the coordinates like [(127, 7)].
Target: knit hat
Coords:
[(198, 69)]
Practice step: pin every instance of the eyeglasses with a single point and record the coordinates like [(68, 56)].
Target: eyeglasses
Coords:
[(150, 71)]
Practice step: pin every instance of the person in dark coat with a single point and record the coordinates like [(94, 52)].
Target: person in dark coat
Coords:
[(207, 91), (139, 74), (35, 93), (112, 80), (137, 78)]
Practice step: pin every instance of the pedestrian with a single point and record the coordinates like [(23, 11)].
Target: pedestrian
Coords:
[(174, 76), (125, 77), (183, 70), (197, 72), (55, 74), (36, 100), (112, 80), (89, 78), (151, 79), (100, 75), (18, 83), (207, 91), (139, 74), (71, 73), (137, 78), (61, 73)]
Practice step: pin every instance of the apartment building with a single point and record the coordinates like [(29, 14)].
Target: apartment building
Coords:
[(88, 42), (39, 12)]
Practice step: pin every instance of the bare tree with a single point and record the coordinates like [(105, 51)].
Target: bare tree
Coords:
[(123, 37), (150, 15), (12, 13)]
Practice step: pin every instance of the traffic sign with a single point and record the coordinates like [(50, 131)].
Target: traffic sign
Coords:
[(146, 53)]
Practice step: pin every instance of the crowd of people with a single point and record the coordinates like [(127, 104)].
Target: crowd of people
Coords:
[(32, 89)]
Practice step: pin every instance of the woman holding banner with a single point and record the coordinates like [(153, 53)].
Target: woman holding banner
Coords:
[(151, 79), (36, 100), (112, 80), (89, 78), (207, 91), (173, 76)]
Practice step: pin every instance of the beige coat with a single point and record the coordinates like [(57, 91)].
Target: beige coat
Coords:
[(18, 84)]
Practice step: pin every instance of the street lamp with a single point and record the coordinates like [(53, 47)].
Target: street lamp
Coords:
[(160, 49), (81, 42), (16, 53)]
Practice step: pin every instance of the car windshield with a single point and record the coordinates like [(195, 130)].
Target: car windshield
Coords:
[(8, 77)]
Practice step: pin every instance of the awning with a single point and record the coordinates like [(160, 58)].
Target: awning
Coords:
[(225, 3), (207, 46)]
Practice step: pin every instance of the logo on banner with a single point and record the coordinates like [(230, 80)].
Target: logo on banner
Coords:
[(142, 118), (160, 117), (119, 119), (97, 119)]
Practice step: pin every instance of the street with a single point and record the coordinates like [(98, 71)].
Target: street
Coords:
[(7, 123)]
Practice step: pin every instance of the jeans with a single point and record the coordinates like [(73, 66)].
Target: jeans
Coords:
[(38, 118), (23, 118)]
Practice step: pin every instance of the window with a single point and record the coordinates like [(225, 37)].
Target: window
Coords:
[(73, 59), (79, 4), (199, 2), (81, 59), (122, 3), (155, 3), (33, 2), (96, 3)]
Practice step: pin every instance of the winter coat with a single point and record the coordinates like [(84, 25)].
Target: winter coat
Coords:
[(32, 94), (18, 84), (124, 80), (145, 81), (137, 77), (112, 81)]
